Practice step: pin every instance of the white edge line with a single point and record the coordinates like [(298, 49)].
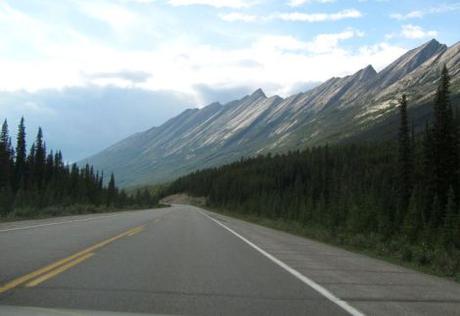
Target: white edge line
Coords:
[(56, 223), (318, 288)]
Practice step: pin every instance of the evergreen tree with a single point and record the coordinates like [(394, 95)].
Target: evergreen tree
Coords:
[(41, 179), (451, 220), (5, 158), (146, 198), (405, 160), (444, 146), (21, 155), (428, 173), (39, 160), (29, 169), (5, 170), (49, 168), (412, 219), (111, 191)]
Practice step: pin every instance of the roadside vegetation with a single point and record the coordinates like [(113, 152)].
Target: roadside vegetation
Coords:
[(399, 199), (37, 183)]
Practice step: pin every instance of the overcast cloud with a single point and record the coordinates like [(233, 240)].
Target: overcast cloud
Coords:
[(94, 71)]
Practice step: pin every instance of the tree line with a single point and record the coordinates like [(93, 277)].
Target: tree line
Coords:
[(36, 181), (400, 196)]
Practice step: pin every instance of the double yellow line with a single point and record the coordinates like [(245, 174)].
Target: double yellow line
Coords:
[(36, 277)]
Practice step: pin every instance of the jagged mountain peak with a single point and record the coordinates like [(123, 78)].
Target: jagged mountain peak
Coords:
[(432, 43), (422, 53), (407, 63), (429, 49), (336, 110), (335, 90), (213, 105), (252, 98), (259, 93), (366, 73)]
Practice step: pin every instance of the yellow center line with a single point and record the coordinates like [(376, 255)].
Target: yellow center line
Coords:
[(59, 270), (136, 231), (14, 283)]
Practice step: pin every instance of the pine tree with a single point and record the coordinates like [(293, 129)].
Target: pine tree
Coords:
[(49, 167), (412, 221), (444, 146), (450, 220), (21, 156), (436, 208), (146, 198), (39, 160), (405, 161), (4, 155), (28, 181), (111, 191), (428, 174), (5, 170), (34, 181)]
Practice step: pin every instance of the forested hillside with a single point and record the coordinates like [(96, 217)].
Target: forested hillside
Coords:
[(363, 105), (38, 182), (398, 198)]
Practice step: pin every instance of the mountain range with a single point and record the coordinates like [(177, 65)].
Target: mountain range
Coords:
[(361, 106)]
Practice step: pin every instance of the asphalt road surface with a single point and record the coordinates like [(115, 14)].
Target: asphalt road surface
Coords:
[(184, 260)]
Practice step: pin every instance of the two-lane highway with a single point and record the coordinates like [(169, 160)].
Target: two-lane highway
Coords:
[(184, 260)]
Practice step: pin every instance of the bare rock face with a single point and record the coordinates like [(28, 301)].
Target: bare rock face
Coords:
[(408, 63), (340, 109)]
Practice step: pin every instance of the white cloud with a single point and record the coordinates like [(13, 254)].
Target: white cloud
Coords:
[(380, 55), (177, 64), (320, 17), (282, 61), (328, 42), (296, 3), (416, 32), (140, 1), (442, 8), (236, 16), (410, 31), (286, 43), (117, 16), (410, 15), (236, 4), (320, 44), (294, 16)]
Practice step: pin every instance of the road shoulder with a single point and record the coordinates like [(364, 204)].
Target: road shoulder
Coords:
[(373, 286)]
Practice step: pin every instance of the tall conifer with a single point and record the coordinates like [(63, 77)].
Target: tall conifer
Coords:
[(5, 158), (5, 170), (445, 159), (111, 191), (405, 160), (21, 155)]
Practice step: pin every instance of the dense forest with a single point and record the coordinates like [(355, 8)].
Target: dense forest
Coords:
[(36, 182), (398, 198)]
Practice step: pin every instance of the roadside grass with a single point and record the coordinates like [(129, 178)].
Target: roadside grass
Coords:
[(28, 213), (422, 258)]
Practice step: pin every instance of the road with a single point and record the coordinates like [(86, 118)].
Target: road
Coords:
[(185, 260)]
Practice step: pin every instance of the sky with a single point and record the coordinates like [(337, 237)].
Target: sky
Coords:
[(92, 72)]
